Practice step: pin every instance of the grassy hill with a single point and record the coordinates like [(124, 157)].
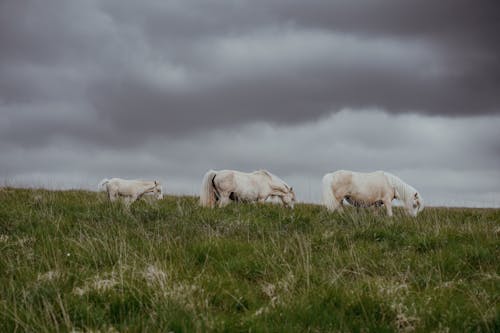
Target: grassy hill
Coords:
[(71, 261)]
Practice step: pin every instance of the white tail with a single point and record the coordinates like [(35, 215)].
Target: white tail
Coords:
[(328, 198), (207, 195), (100, 187)]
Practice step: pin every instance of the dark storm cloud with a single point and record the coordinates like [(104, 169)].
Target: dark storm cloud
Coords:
[(461, 35), (169, 89), (175, 66)]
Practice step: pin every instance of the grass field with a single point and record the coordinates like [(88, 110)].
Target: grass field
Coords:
[(71, 261)]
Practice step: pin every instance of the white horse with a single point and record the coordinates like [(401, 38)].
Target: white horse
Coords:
[(130, 190), (257, 186), (369, 189)]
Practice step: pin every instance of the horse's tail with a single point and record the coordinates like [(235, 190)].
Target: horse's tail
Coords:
[(103, 182), (328, 197), (207, 194)]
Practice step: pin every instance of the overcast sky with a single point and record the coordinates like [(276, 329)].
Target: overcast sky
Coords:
[(169, 89)]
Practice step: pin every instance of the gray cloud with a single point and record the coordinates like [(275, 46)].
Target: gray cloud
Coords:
[(156, 87), (175, 67), (431, 153)]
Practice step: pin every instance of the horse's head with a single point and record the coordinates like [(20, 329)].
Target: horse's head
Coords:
[(289, 197), (157, 190), (415, 204)]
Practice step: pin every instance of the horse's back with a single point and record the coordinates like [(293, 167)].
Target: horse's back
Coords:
[(360, 183), (375, 179), (120, 182), (342, 178), (117, 184), (238, 176), (125, 186), (227, 172), (225, 179), (245, 185)]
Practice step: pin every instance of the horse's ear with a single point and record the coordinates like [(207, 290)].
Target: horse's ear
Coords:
[(291, 189), (156, 182)]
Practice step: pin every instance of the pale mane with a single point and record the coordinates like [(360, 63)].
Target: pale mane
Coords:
[(271, 176), (404, 190), (263, 172)]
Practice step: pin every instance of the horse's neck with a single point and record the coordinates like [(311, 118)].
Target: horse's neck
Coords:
[(276, 182), (265, 175), (272, 180), (147, 186), (400, 186), (279, 184)]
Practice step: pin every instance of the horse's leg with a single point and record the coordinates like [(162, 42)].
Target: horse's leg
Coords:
[(134, 198), (388, 206), (338, 203), (224, 199), (127, 201), (335, 206), (112, 196), (130, 199), (262, 199)]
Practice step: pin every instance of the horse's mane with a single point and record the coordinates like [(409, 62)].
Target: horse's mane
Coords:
[(404, 190), (263, 172), (271, 176)]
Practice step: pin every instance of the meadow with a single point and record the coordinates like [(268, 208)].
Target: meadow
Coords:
[(73, 262)]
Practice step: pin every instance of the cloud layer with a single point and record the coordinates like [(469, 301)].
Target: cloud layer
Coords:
[(174, 66), (166, 84), (451, 162)]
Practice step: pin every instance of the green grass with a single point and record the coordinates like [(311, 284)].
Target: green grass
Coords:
[(72, 261)]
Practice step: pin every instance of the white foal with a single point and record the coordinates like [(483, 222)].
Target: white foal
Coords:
[(130, 190)]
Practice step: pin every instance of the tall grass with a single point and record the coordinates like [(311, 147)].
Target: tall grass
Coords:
[(72, 261)]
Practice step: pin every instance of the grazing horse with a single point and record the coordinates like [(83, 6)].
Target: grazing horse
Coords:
[(369, 189), (257, 186), (130, 190)]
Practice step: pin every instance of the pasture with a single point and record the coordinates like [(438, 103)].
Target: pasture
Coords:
[(72, 261)]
